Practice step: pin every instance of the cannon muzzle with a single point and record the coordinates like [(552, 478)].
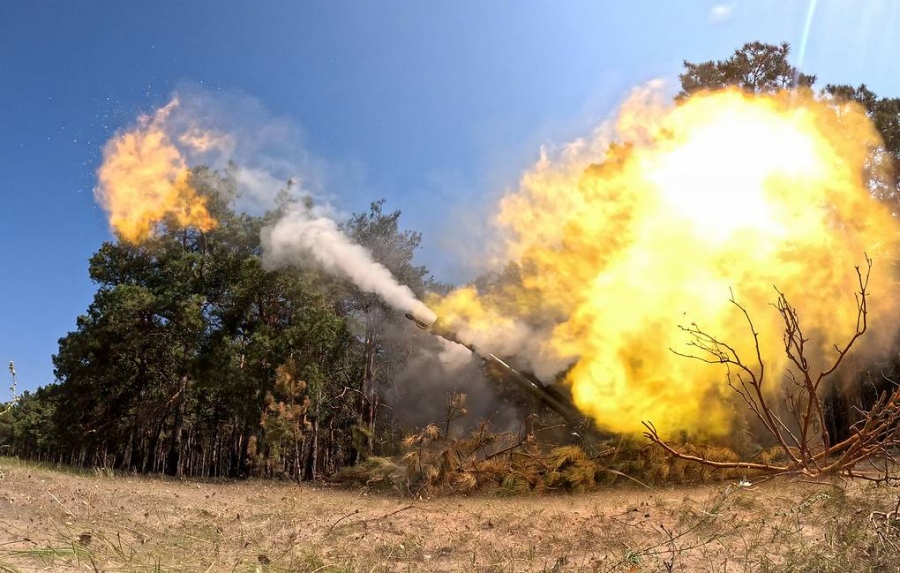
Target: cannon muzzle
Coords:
[(419, 322)]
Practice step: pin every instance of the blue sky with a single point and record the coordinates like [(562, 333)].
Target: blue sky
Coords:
[(437, 107)]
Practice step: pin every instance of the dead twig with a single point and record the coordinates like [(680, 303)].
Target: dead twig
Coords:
[(340, 519)]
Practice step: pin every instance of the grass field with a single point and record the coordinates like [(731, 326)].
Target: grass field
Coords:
[(62, 520)]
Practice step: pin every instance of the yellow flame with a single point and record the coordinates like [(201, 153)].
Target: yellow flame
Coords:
[(723, 193), (144, 179)]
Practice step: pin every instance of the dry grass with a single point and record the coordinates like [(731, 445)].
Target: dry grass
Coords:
[(53, 520)]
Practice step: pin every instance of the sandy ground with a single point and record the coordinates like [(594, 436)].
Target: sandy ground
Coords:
[(57, 520)]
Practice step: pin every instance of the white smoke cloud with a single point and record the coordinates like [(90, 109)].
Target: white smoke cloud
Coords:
[(303, 235)]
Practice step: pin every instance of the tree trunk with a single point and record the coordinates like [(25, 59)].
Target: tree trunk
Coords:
[(173, 466), (309, 470), (369, 401), (149, 455), (135, 462)]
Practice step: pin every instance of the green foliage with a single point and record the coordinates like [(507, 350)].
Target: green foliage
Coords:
[(28, 424), (754, 67), (193, 358)]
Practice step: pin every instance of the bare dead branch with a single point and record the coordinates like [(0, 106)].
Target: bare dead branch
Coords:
[(652, 435), (809, 451)]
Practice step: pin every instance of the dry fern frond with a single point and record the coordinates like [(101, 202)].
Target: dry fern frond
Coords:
[(464, 482), (516, 483), (432, 432), (564, 455)]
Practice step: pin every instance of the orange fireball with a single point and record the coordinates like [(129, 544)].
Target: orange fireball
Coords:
[(725, 192)]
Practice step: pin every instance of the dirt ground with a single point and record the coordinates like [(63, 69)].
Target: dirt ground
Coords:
[(62, 520)]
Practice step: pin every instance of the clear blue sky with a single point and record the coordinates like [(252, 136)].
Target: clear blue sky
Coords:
[(434, 105)]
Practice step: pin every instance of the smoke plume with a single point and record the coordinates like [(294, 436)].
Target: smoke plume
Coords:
[(301, 236)]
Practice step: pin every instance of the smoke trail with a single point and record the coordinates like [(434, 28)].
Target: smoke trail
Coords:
[(302, 235)]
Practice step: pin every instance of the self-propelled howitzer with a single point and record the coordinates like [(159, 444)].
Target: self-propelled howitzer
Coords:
[(548, 395)]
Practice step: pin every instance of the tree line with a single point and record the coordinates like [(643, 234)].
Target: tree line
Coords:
[(195, 359)]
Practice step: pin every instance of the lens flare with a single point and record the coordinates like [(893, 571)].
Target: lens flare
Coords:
[(724, 193), (144, 180)]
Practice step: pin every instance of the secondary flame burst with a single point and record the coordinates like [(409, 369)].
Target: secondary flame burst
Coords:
[(144, 179), (617, 245)]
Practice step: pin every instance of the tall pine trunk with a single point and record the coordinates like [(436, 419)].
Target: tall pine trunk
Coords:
[(173, 466), (309, 469)]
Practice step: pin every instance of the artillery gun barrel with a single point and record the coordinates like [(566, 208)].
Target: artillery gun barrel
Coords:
[(548, 395)]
